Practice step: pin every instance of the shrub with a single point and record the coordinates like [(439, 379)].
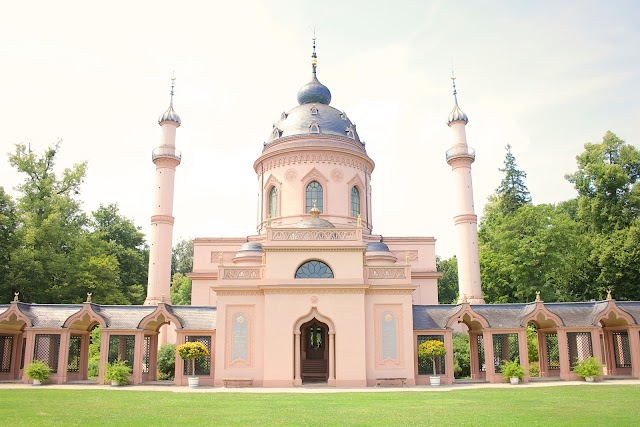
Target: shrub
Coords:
[(38, 370), (167, 362), (192, 351), (534, 369), (512, 369), (118, 372), (461, 355), (432, 349), (589, 367)]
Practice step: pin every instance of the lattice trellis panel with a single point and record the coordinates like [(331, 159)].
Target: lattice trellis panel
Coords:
[(75, 348), (580, 346), (122, 346), (481, 360), (425, 365), (505, 347), (621, 349), (6, 348), (47, 350), (24, 348), (203, 366), (553, 352), (146, 354)]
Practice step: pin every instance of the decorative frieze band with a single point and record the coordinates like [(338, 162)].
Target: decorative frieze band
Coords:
[(312, 291), (387, 273), (284, 235), (162, 219), (232, 273), (292, 159)]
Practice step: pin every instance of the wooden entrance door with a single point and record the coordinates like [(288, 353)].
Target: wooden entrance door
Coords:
[(314, 351)]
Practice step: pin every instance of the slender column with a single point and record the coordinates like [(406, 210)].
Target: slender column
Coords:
[(634, 343), (332, 361), (489, 360), (474, 356), (63, 357), (296, 368), (563, 349)]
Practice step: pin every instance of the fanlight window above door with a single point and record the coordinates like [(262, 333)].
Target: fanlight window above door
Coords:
[(314, 270)]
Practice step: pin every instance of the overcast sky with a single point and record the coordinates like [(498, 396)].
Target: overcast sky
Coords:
[(544, 76)]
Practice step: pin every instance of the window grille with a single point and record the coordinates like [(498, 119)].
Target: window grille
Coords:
[(425, 365), (273, 202), (47, 350), (203, 366), (580, 346), (314, 194), (505, 347), (314, 270), (6, 347), (355, 201), (621, 349), (75, 347), (122, 347), (481, 361), (553, 352), (602, 352), (146, 354), (24, 348)]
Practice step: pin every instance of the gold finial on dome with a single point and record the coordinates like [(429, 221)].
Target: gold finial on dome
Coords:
[(314, 211)]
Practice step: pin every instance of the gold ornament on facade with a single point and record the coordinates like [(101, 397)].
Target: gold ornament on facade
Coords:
[(220, 259), (359, 221), (407, 258), (538, 296), (15, 296), (89, 296)]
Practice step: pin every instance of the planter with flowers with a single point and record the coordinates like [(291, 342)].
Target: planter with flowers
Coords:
[(588, 369), (432, 349), (191, 352)]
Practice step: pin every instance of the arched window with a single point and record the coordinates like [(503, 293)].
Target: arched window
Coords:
[(314, 128), (314, 192), (355, 201), (314, 269), (273, 202)]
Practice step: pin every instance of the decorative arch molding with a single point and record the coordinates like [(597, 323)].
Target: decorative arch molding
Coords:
[(313, 314), (467, 316), (14, 319), (355, 182), (160, 316), (540, 316), (272, 182), (612, 315), (85, 319), (314, 175)]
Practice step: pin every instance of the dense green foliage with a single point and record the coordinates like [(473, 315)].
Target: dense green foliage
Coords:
[(461, 355), (512, 369), (514, 406), (512, 192), (181, 264), (52, 252), (94, 353), (589, 367), (167, 362), (118, 372), (448, 283), (38, 370)]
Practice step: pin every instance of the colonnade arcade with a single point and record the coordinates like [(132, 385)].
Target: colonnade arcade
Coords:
[(566, 333), (60, 335)]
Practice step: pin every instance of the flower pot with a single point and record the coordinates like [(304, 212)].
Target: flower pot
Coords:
[(193, 382), (514, 380), (37, 382), (434, 380), (589, 379), (115, 384)]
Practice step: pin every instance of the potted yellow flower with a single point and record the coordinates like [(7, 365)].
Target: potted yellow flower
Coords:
[(190, 352), (432, 349)]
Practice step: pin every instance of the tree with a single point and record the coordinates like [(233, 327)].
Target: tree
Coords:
[(536, 248), (609, 198), (512, 192), (126, 243), (448, 283), (180, 290), (8, 226), (182, 257)]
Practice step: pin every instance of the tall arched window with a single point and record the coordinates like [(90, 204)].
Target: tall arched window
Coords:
[(273, 202), (314, 192), (314, 270), (355, 201)]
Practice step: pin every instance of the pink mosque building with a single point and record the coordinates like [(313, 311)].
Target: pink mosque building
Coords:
[(315, 295)]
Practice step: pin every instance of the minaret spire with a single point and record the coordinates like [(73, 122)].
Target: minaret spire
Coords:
[(460, 157), (173, 81), (314, 56)]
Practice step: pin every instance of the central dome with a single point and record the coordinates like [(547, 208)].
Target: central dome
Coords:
[(314, 92)]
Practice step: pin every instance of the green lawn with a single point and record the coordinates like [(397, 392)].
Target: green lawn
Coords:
[(517, 406)]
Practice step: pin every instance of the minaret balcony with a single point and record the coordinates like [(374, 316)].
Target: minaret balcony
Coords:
[(167, 152), (461, 151)]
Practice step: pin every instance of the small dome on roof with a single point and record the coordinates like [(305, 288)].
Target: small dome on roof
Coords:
[(314, 223), (250, 247), (377, 247), (170, 116), (314, 91)]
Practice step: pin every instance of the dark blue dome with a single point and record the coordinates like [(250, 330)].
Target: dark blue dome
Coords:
[(250, 247), (377, 247), (314, 92)]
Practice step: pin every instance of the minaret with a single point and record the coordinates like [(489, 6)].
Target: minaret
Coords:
[(166, 158), (460, 157)]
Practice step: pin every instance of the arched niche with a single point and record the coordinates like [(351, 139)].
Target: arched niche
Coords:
[(160, 316), (542, 318), (85, 319), (613, 316), (473, 320)]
